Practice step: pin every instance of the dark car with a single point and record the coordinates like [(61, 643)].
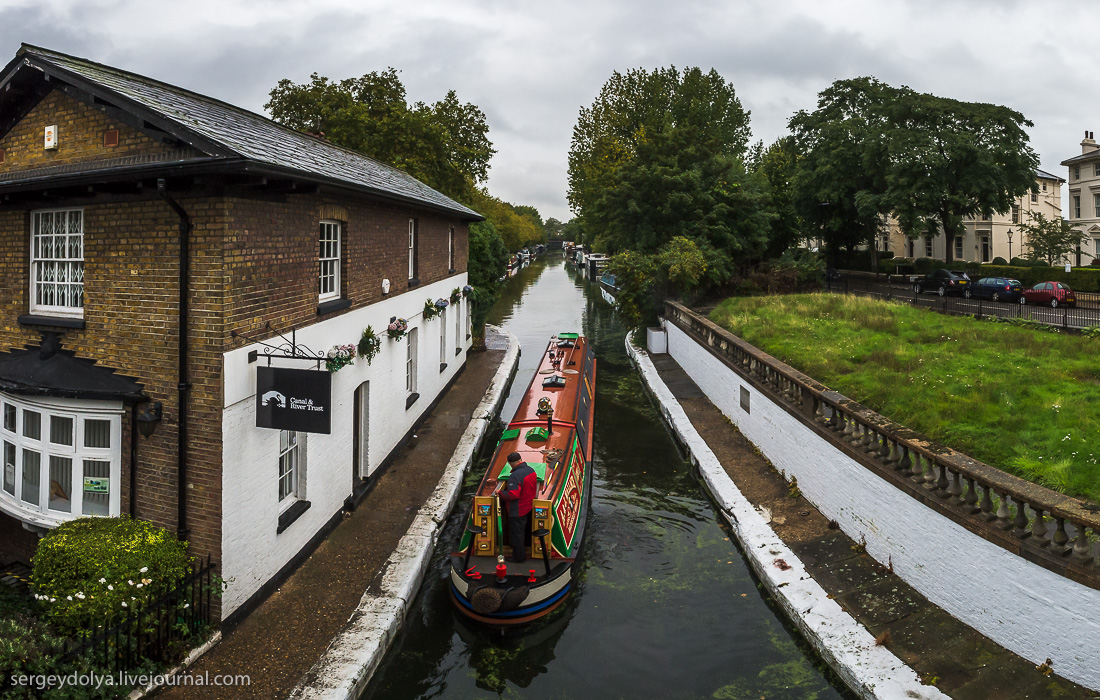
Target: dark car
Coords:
[(943, 282), (1053, 293), (995, 288)]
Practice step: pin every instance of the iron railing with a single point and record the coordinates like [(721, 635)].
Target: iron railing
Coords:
[(160, 631)]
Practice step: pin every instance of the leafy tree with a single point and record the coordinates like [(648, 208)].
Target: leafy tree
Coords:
[(634, 274), (637, 108), (446, 144), (778, 164), (677, 269), (840, 185), (516, 231), (1051, 240), (952, 159), (488, 256)]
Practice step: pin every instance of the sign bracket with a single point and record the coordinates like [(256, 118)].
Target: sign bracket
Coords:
[(289, 349)]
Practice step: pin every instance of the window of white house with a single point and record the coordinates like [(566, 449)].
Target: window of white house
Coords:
[(1077, 207), (927, 246), (451, 249), (442, 339), (57, 262), (985, 249), (958, 247), (469, 321), (1096, 204), (410, 362), (1096, 242), (61, 458), (458, 326), (1077, 172), (414, 225), (1034, 197), (1015, 214), (328, 258), (290, 465), (1044, 187), (1096, 168)]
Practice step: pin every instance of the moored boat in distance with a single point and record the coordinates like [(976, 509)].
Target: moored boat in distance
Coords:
[(552, 431)]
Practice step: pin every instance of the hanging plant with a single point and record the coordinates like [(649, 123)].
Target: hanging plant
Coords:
[(338, 357), (456, 294), (441, 304), (466, 290), (369, 344), (397, 328), (430, 311)]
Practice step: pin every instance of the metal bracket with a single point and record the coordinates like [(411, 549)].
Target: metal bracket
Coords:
[(289, 349)]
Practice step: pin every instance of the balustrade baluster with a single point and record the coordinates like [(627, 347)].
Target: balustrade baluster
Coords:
[(987, 501), (955, 488), (1039, 527), (1019, 523), (886, 449), (971, 499), (1004, 515), (938, 481), (905, 464), (1058, 542), (849, 426), (920, 463), (869, 438), (1082, 546)]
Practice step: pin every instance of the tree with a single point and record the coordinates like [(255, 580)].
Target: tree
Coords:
[(445, 145), (951, 160), (840, 185), (778, 165), (1051, 240), (516, 231), (636, 106)]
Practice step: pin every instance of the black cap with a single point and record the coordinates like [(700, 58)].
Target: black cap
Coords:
[(515, 457)]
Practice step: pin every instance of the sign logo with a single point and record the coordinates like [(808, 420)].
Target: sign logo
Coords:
[(293, 399)]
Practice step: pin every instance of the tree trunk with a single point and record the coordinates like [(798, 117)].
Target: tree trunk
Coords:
[(950, 238)]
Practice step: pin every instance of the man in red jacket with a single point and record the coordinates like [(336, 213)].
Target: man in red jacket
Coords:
[(519, 493)]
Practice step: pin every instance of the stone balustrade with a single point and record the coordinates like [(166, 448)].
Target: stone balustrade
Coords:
[(1045, 527)]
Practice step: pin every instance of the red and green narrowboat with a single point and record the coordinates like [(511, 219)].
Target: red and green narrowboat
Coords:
[(552, 430)]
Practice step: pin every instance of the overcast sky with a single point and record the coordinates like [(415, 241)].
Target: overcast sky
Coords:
[(531, 65)]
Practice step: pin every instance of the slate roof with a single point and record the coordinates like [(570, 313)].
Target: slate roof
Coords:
[(49, 370), (244, 134), (1044, 175), (1091, 155)]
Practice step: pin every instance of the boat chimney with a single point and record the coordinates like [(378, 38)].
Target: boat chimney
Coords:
[(1088, 144)]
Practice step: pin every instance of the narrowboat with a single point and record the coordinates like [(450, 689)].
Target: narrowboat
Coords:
[(552, 431)]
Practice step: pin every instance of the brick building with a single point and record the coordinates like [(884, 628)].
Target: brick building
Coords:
[(158, 251)]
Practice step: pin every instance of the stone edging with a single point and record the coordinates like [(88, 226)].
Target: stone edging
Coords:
[(192, 657), (354, 654), (871, 671)]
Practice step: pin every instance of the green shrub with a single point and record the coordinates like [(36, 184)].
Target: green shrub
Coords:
[(88, 570), (999, 261), (28, 648), (922, 266)]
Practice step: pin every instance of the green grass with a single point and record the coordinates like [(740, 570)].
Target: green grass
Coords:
[(1019, 399)]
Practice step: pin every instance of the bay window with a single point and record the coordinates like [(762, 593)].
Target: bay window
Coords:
[(62, 458)]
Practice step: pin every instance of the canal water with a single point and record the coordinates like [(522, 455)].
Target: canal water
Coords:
[(665, 606)]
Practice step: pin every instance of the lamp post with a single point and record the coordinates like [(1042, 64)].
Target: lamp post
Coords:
[(1010, 246)]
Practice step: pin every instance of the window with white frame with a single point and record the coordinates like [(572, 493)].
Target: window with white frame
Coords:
[(451, 249), (290, 465), (1077, 207), (927, 246), (458, 326), (958, 247), (1034, 197), (1077, 172), (410, 362), (61, 458), (57, 262), (1015, 214), (328, 259), (414, 225), (442, 338), (469, 320), (1096, 169), (1096, 204)]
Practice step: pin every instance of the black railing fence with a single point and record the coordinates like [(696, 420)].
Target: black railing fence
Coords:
[(1069, 318), (160, 631)]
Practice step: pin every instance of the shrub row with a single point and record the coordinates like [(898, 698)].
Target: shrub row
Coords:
[(1080, 279)]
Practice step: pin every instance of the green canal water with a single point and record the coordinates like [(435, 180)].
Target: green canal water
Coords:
[(665, 606)]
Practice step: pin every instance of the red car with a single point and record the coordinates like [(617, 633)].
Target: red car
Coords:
[(1053, 293)]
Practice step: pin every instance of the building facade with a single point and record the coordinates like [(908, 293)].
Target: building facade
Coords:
[(999, 236), (1084, 196), (160, 252)]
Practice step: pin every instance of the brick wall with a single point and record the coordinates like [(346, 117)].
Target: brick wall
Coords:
[(80, 136)]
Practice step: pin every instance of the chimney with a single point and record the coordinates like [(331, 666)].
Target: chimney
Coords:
[(1088, 144)]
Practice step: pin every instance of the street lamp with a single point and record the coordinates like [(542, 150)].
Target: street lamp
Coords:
[(1009, 245)]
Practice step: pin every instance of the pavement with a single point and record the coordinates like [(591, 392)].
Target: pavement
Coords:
[(279, 642), (947, 657)]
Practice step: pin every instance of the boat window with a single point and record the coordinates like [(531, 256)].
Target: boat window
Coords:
[(556, 381)]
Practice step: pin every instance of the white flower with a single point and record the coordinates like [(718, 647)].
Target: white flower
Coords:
[(103, 580), (129, 582), (53, 600), (124, 604), (80, 595), (69, 597), (140, 585), (110, 587), (144, 569)]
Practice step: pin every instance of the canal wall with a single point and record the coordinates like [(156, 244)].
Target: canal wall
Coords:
[(870, 670), (353, 656), (939, 519)]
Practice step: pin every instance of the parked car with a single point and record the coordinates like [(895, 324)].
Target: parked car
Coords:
[(995, 288), (1054, 293), (943, 282)]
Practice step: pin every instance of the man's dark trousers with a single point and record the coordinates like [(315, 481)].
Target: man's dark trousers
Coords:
[(518, 525)]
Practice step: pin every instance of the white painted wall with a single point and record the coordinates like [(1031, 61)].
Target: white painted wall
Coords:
[(252, 552), (1024, 607)]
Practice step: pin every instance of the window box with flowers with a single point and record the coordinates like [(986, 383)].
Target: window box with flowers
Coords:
[(456, 294), (397, 328), (338, 357), (467, 290)]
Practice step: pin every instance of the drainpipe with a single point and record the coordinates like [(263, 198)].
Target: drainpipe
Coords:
[(184, 384), (133, 460)]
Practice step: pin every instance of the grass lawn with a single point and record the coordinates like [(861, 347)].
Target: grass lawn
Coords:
[(1022, 400)]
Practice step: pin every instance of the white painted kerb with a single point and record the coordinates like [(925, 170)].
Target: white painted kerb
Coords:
[(347, 665), (870, 670)]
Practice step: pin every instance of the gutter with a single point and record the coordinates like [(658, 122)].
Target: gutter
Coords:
[(184, 383)]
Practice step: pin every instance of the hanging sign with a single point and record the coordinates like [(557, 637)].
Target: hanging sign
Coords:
[(293, 399)]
